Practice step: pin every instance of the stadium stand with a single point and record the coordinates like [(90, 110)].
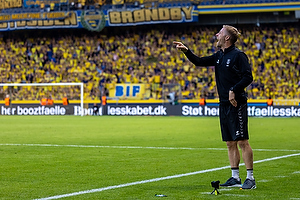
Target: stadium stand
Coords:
[(144, 55)]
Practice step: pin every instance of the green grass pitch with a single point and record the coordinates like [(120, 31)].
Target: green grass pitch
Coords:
[(43, 157)]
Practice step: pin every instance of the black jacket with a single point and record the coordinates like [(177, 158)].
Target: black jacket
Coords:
[(232, 70)]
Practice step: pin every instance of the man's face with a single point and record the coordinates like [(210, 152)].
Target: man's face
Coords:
[(221, 38)]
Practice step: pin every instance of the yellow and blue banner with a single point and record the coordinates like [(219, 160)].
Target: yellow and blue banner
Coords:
[(128, 91), (95, 20)]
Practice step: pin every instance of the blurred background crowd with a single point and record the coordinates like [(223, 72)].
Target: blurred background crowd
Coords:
[(145, 55)]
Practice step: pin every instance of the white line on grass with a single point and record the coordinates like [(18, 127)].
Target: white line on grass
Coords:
[(115, 147), (139, 147), (236, 195), (263, 181), (158, 179)]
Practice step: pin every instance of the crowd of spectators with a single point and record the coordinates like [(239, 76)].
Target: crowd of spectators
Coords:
[(144, 55)]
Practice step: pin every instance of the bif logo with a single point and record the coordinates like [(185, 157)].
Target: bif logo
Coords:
[(129, 91), (93, 20)]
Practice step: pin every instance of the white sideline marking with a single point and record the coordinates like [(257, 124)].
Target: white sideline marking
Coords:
[(116, 147), (133, 183), (279, 176), (138, 147), (225, 189), (159, 179), (263, 181), (236, 195)]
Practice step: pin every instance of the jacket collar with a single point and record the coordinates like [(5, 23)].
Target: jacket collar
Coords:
[(228, 49)]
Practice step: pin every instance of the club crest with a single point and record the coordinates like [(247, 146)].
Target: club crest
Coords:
[(228, 62), (93, 20)]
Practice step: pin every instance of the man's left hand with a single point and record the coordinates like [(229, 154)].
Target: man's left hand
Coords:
[(232, 98)]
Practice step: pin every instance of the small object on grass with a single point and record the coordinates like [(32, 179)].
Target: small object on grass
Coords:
[(160, 195), (216, 185)]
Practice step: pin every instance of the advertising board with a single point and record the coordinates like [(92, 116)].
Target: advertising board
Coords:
[(146, 110)]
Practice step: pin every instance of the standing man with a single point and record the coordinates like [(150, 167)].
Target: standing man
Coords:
[(44, 101), (50, 101), (65, 101), (233, 75), (7, 100)]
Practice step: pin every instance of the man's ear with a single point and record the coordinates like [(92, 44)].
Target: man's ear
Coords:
[(227, 37)]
